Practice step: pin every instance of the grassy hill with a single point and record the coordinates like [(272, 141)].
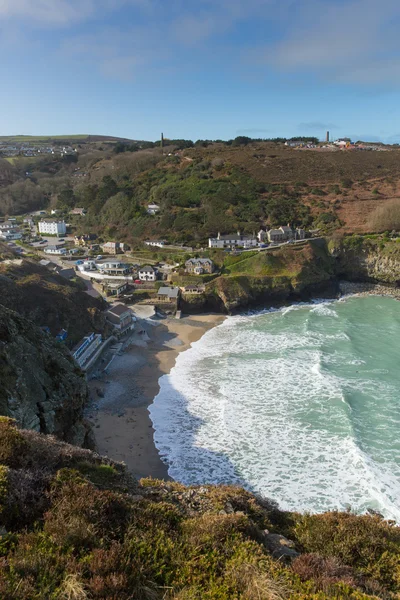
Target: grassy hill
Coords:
[(77, 526)]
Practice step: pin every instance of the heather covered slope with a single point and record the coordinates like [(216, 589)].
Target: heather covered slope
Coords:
[(75, 525), (203, 190)]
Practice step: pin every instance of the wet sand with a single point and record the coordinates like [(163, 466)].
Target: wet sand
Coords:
[(120, 396)]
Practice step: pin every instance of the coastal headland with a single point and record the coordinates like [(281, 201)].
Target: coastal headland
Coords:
[(126, 382)]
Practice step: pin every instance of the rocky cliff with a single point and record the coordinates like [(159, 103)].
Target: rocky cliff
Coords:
[(40, 385), (273, 277), (367, 259)]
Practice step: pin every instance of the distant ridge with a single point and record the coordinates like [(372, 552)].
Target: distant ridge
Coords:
[(70, 138)]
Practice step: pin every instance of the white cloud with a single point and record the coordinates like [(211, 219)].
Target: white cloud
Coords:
[(61, 12)]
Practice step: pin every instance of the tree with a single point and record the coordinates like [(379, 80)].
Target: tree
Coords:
[(66, 199)]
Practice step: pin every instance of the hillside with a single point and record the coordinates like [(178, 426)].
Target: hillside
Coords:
[(203, 190), (40, 385), (47, 299), (77, 526)]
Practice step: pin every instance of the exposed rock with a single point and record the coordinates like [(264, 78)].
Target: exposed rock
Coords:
[(280, 547), (40, 385)]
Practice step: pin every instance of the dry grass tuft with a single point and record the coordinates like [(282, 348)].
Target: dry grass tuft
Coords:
[(72, 589), (386, 217), (254, 584)]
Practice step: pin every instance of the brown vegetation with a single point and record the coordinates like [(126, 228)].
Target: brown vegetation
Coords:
[(76, 526)]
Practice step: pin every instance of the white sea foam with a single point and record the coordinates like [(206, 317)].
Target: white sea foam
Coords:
[(276, 408)]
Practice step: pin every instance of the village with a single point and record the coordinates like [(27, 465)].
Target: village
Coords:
[(110, 270)]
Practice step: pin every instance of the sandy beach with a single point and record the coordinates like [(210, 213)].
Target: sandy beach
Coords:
[(125, 383)]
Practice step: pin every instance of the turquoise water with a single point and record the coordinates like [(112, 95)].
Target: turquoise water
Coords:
[(300, 404)]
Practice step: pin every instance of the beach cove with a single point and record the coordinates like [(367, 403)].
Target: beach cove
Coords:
[(122, 394)]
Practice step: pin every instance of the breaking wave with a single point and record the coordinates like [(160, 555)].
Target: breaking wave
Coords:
[(299, 404)]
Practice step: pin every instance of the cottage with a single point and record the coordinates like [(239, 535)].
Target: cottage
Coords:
[(111, 247), (10, 231), (156, 243), (283, 234), (66, 273), (55, 250), (147, 273), (121, 317), (52, 227), (48, 264), (300, 234), (194, 289), (88, 265), (153, 209), (233, 240), (168, 294), (115, 289), (78, 211), (198, 266), (86, 348)]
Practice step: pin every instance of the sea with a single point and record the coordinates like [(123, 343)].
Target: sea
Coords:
[(299, 404)]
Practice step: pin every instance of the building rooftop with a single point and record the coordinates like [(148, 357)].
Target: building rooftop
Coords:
[(170, 292), (119, 309), (146, 268), (199, 260)]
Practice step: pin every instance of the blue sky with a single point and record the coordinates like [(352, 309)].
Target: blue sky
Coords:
[(200, 68)]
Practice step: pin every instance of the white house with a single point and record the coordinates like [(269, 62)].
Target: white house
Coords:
[(153, 209), (55, 250), (147, 274), (114, 268), (156, 243), (52, 227), (233, 240)]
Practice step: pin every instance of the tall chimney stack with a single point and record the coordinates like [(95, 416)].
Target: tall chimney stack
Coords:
[(327, 136), (162, 140)]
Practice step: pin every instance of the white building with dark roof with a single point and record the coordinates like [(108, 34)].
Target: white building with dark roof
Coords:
[(233, 240), (147, 273)]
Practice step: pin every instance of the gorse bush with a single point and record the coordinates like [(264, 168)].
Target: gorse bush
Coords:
[(82, 529)]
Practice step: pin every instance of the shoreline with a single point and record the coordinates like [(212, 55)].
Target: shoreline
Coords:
[(125, 383), (355, 288), (126, 380)]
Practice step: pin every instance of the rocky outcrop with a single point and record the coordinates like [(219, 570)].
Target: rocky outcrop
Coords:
[(40, 385), (274, 278), (363, 259)]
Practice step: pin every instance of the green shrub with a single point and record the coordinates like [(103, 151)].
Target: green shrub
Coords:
[(14, 448), (3, 486)]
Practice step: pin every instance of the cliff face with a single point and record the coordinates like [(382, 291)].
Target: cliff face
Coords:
[(273, 277), (47, 299), (40, 385), (363, 259)]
